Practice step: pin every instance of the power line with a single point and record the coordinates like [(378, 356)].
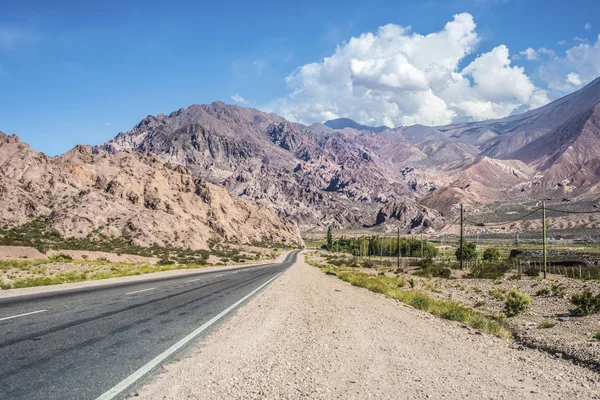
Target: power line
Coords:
[(449, 226), (504, 223), (573, 212)]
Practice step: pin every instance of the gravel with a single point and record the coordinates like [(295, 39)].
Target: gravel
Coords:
[(312, 335)]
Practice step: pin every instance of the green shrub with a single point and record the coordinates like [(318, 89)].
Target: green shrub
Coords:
[(60, 257), (488, 271), (412, 283), (547, 325), (516, 303), (469, 252), (543, 292), (558, 290), (586, 303), (597, 336), (497, 293), (431, 269), (165, 261), (531, 270), (491, 254)]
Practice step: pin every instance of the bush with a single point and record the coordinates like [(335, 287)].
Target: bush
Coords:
[(430, 269), (60, 257), (586, 303), (531, 270), (491, 254), (547, 325), (488, 271), (497, 293), (469, 252), (165, 261), (597, 336), (516, 303)]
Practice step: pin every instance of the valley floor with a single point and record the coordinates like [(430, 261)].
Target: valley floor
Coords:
[(315, 336)]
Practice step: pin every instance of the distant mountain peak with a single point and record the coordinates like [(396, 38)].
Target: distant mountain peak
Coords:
[(342, 123)]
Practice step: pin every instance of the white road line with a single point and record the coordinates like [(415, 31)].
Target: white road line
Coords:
[(194, 280), (22, 315), (140, 291), (131, 379), (218, 276)]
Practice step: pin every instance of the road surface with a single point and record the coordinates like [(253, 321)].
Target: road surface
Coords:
[(105, 342)]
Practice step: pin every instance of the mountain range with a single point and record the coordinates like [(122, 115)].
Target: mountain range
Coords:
[(342, 173), (339, 173)]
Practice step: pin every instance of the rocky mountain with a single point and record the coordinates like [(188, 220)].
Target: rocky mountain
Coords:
[(345, 174), (128, 194), (319, 178), (409, 215)]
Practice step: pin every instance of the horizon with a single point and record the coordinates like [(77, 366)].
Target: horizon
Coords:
[(89, 76)]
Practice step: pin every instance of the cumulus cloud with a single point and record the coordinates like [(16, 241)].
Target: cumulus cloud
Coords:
[(588, 26), (562, 43), (239, 99), (398, 77), (579, 66), (529, 54)]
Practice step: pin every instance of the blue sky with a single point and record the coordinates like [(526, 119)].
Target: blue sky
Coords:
[(80, 72)]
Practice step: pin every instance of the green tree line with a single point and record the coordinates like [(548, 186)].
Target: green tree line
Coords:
[(381, 246)]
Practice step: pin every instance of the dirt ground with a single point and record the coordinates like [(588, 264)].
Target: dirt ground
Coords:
[(308, 335)]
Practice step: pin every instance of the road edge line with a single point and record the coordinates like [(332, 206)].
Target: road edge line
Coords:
[(131, 379)]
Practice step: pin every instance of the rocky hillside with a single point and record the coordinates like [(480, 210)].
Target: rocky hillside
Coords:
[(128, 194), (317, 177), (342, 173)]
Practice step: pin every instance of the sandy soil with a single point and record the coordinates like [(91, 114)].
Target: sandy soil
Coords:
[(312, 335)]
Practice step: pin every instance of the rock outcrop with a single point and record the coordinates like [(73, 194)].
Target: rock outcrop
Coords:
[(128, 194), (410, 217)]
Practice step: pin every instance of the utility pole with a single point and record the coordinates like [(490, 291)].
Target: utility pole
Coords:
[(461, 236), (421, 245), (544, 233), (398, 250)]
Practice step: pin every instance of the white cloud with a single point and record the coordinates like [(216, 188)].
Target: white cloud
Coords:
[(561, 42), (588, 26), (549, 52), (574, 79), (529, 54), (107, 124), (239, 99), (397, 77), (579, 66)]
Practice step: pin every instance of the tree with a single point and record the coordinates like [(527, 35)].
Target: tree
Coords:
[(329, 239), (491, 254), (469, 252)]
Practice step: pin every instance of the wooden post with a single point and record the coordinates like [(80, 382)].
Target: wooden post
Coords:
[(460, 252), (398, 250), (544, 233)]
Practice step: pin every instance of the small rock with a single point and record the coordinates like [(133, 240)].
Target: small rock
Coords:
[(563, 319)]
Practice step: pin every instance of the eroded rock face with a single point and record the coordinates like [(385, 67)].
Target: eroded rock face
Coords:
[(409, 216), (130, 194), (317, 178)]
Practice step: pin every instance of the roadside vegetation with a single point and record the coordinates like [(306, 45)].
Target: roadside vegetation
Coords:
[(501, 281), (395, 288), (36, 234), (57, 268)]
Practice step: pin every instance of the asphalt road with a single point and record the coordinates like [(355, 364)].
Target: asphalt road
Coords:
[(104, 342)]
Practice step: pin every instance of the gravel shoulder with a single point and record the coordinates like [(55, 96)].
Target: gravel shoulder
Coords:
[(312, 335)]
